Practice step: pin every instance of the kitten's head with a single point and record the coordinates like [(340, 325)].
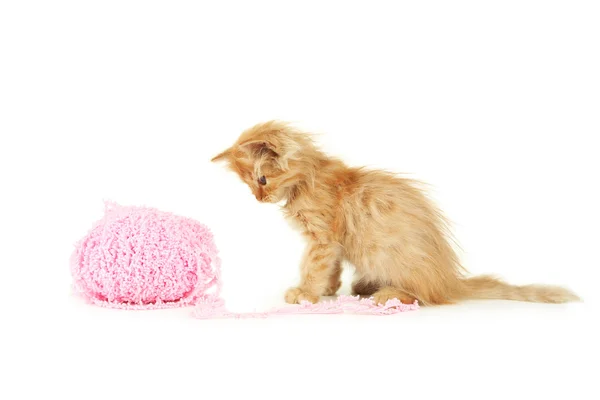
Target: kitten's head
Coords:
[(271, 158)]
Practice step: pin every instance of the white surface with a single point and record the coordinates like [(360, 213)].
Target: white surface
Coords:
[(496, 106)]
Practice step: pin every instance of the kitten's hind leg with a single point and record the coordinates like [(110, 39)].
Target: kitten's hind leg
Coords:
[(390, 292)]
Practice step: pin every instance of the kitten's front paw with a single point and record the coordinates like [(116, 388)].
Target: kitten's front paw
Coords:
[(296, 295)]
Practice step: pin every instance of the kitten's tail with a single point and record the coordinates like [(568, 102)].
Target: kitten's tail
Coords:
[(489, 287)]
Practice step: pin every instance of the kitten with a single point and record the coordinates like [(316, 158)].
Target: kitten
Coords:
[(382, 224)]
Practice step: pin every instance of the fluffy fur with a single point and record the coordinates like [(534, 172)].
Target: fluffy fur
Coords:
[(384, 225)]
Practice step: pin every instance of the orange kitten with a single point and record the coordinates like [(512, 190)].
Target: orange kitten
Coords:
[(382, 224)]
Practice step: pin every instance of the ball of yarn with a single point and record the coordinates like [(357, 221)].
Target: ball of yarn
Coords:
[(142, 258)]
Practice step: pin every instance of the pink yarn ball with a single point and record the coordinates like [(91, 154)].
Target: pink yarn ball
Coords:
[(142, 258)]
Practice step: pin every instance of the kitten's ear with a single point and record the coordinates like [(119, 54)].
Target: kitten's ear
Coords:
[(261, 147), (221, 156)]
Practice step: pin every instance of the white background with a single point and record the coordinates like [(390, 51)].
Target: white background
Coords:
[(494, 104)]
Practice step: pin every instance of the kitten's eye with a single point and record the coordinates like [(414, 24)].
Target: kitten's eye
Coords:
[(262, 180)]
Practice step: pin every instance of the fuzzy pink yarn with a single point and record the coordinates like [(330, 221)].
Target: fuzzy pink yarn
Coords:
[(143, 258), (215, 308)]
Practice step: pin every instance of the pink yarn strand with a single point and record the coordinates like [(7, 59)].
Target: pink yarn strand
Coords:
[(211, 307)]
